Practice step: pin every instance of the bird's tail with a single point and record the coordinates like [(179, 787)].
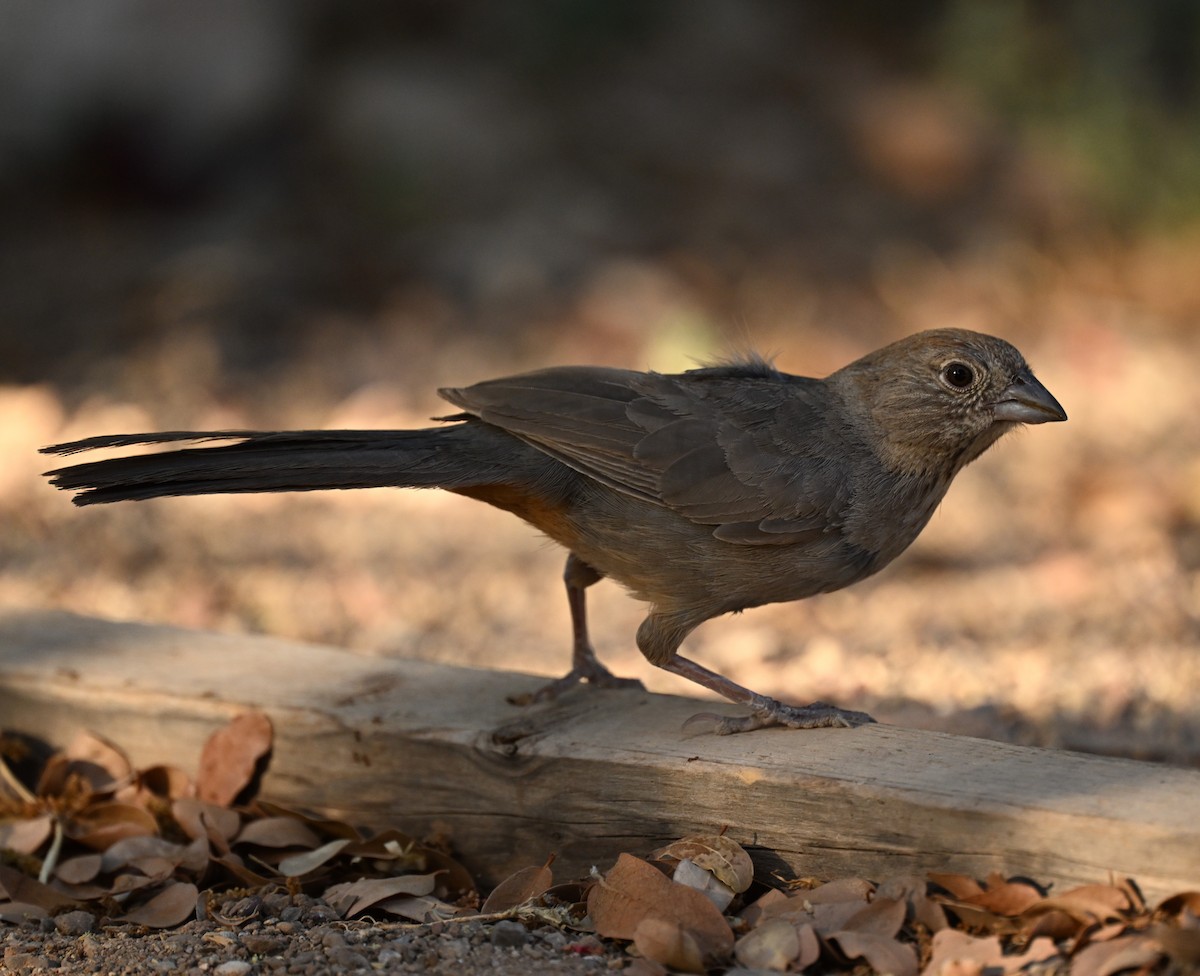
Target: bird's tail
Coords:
[(256, 461)]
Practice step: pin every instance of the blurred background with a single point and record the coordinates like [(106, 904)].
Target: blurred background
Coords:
[(302, 213)]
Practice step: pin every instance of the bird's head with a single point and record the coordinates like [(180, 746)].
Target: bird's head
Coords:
[(943, 397)]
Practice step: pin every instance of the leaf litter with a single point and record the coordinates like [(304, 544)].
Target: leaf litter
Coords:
[(152, 849)]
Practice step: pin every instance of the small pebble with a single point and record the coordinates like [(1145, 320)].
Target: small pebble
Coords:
[(235, 967), (509, 934), (75, 923)]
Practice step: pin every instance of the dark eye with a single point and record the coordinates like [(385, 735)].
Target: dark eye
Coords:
[(958, 375)]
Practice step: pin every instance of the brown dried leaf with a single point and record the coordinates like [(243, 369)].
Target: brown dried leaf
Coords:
[(79, 870), (952, 948), (773, 945), (18, 912), (323, 826), (883, 916), (1008, 898), (634, 890), (717, 853), (922, 909), (666, 942), (167, 782), (134, 850), (25, 835), (834, 916), (1181, 944), (518, 888), (842, 890), (885, 955), (386, 845), (103, 824), (278, 832), (770, 905), (299, 865), (454, 880), (961, 886), (170, 907), (357, 896), (237, 867), (419, 908), (197, 819), (1108, 958), (1087, 904), (230, 757), (1177, 903), (20, 887)]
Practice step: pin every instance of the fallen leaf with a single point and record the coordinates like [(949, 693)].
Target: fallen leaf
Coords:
[(885, 955), (1006, 898), (301, 864), (518, 888), (19, 911), (25, 835), (170, 907), (717, 853), (197, 819), (20, 887), (322, 825), (951, 948), (959, 885), (666, 942), (278, 832), (101, 825), (167, 782), (79, 870), (634, 890), (419, 908), (883, 916), (1107, 958), (230, 757), (842, 890), (773, 945), (766, 906), (351, 898), (1087, 903)]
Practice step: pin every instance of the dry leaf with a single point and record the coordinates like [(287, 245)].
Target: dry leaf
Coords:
[(26, 835), (885, 955), (883, 916), (1108, 958), (1007, 898), (230, 757), (278, 832), (331, 828), (1087, 904), (79, 870), (357, 896), (101, 825), (726, 859), (771, 904), (951, 948), (419, 908), (19, 911), (518, 888), (773, 945), (170, 907), (959, 885), (20, 887), (167, 782), (634, 890), (842, 890), (300, 864), (198, 819), (666, 942)]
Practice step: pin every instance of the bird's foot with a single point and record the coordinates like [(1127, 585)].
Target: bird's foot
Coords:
[(592, 672), (769, 711)]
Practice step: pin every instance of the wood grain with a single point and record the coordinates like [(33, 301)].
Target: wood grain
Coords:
[(424, 746)]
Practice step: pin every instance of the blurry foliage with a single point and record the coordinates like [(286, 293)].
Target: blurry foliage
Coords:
[(1114, 86)]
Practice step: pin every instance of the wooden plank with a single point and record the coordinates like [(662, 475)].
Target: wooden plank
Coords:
[(418, 745)]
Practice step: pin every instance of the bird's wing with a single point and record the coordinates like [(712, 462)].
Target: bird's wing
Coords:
[(742, 448)]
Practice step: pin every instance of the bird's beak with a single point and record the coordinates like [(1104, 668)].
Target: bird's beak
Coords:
[(1026, 401)]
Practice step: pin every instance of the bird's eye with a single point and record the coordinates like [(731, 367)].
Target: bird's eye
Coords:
[(958, 375)]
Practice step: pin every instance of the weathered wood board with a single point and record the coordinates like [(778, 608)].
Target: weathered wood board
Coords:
[(415, 745)]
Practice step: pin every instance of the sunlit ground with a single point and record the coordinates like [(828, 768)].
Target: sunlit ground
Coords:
[(1054, 598)]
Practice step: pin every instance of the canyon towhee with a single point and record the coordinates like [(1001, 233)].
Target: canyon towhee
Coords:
[(703, 492)]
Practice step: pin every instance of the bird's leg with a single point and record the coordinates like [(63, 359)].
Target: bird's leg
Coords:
[(765, 711), (578, 576)]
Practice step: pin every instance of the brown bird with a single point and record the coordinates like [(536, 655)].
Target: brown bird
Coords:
[(703, 493)]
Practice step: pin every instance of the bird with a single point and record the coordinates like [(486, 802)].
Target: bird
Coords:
[(706, 492)]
